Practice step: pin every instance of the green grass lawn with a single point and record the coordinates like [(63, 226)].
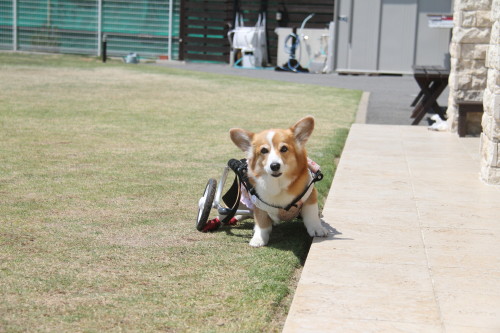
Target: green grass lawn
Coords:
[(101, 169)]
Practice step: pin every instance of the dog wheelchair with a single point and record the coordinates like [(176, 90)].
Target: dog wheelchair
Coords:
[(227, 205), (230, 207)]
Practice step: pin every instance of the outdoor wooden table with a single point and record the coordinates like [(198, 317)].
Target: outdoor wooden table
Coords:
[(432, 81)]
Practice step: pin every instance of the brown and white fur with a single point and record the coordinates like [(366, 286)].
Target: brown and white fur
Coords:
[(277, 168)]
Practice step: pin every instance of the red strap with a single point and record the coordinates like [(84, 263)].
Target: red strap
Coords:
[(211, 225)]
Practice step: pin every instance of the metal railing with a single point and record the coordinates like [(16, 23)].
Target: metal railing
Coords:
[(149, 28)]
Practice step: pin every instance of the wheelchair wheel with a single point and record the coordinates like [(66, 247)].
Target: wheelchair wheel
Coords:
[(205, 204)]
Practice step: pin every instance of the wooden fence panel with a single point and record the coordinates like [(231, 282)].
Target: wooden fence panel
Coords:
[(204, 27)]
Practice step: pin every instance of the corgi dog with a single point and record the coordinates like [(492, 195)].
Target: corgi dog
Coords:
[(278, 170)]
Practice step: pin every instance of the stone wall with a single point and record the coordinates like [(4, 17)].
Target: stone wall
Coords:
[(490, 138), (475, 74), (468, 48)]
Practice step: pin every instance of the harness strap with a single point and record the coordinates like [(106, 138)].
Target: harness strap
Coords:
[(317, 177), (241, 169)]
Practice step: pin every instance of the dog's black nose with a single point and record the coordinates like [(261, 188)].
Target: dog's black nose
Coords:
[(275, 166)]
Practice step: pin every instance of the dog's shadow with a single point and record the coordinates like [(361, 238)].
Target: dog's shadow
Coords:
[(286, 236)]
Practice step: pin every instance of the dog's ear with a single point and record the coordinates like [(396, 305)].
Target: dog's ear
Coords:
[(242, 138), (302, 129)]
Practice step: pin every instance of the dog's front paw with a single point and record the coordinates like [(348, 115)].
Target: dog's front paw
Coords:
[(257, 242), (260, 236), (317, 231)]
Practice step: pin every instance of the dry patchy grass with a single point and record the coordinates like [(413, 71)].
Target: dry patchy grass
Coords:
[(101, 169)]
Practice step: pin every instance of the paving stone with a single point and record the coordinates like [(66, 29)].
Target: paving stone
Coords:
[(414, 243)]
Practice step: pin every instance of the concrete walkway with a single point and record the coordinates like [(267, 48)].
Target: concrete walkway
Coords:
[(416, 240)]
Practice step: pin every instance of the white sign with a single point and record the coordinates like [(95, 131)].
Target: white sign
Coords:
[(440, 21)]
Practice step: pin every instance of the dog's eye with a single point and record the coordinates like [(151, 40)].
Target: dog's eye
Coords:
[(284, 149), (264, 150)]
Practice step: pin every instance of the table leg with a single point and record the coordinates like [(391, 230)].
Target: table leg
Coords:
[(415, 101), (431, 96)]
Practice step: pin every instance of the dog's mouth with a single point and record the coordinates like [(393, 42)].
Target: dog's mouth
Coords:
[(276, 174)]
